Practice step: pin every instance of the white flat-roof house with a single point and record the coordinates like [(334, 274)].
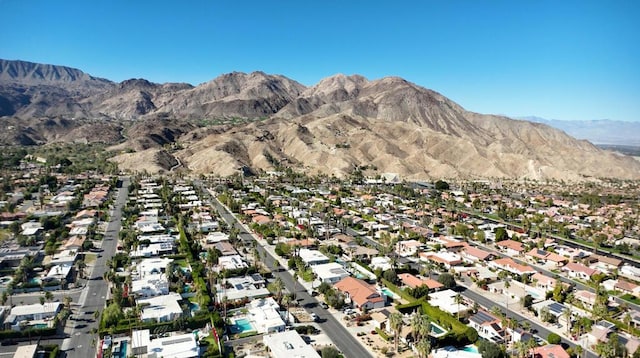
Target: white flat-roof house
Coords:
[(150, 285), (313, 257), (330, 273), (176, 346), (152, 266), (33, 312), (163, 308), (231, 262), (264, 315), (288, 344)]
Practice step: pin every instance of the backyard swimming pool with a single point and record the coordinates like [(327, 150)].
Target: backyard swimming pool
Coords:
[(242, 325), (437, 331), (387, 292), (470, 348)]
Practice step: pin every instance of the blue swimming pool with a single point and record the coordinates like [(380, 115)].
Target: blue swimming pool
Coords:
[(120, 351), (388, 292), (242, 325), (471, 348)]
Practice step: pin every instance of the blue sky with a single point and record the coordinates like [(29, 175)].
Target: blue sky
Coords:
[(554, 59)]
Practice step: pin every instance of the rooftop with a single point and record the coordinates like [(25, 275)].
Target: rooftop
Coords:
[(288, 344)]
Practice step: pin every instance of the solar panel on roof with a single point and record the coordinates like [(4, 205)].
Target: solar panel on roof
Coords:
[(483, 317), (556, 307)]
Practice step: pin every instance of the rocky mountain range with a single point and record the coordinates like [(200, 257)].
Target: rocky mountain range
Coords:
[(261, 121)]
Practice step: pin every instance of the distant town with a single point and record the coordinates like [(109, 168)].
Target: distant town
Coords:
[(96, 262)]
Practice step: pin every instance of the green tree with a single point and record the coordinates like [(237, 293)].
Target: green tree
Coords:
[(490, 350), (458, 299), (390, 275), (424, 348), (329, 352), (396, 323), (501, 234), (276, 287), (441, 185), (447, 280), (553, 338), (112, 314)]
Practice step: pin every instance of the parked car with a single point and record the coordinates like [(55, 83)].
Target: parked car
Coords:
[(324, 305)]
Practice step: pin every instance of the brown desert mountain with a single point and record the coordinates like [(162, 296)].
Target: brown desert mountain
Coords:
[(260, 121)]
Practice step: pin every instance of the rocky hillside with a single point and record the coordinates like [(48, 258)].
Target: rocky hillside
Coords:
[(342, 123)]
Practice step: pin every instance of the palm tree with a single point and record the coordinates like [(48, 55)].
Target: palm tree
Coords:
[(286, 301), (396, 322), (80, 266), (278, 286), (626, 319), (496, 311), (521, 348), (458, 299), (424, 348), (578, 350), (416, 321), (566, 314), (48, 296)]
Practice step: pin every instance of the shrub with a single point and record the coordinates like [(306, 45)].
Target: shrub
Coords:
[(553, 338)]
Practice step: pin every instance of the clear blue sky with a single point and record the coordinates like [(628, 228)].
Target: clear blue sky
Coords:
[(554, 59)]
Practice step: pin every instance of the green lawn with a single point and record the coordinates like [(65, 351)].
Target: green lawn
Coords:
[(631, 298), (181, 263)]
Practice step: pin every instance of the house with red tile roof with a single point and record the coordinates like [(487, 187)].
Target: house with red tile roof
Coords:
[(543, 282), (604, 263), (444, 258), (587, 298), (626, 286), (510, 247), (472, 255), (408, 247), (508, 264), (550, 351), (261, 219), (361, 294), (576, 270), (412, 281), (546, 258)]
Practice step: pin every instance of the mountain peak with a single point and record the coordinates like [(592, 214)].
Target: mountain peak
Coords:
[(35, 73)]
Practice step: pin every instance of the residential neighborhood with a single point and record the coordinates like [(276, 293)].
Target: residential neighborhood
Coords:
[(279, 265)]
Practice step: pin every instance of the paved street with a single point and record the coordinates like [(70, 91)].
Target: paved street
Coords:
[(95, 293), (343, 340), (484, 299)]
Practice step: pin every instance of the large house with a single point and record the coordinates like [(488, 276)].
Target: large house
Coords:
[(550, 351), (361, 294), (488, 327), (509, 265), (510, 247), (412, 281), (29, 313), (546, 258), (576, 270), (473, 255)]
